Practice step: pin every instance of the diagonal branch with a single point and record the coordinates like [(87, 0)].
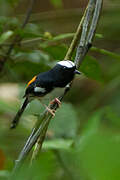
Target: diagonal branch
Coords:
[(17, 39), (75, 38)]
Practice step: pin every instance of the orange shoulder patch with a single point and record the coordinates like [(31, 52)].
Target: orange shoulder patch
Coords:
[(32, 80)]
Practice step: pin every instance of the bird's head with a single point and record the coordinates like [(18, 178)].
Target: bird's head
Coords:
[(64, 72), (67, 66)]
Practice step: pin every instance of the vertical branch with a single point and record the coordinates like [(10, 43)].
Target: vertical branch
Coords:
[(94, 22), (81, 46), (83, 49)]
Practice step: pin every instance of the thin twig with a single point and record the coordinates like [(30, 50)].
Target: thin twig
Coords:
[(17, 38), (28, 14), (75, 39)]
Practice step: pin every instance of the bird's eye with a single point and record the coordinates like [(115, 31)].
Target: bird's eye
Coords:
[(64, 67)]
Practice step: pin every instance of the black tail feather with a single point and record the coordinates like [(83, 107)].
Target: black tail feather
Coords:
[(19, 114)]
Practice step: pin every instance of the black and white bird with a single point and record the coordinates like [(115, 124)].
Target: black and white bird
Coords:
[(42, 84)]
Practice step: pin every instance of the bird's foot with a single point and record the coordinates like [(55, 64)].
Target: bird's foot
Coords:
[(51, 111), (56, 100)]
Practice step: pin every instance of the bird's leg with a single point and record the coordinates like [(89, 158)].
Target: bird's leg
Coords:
[(51, 111), (56, 100)]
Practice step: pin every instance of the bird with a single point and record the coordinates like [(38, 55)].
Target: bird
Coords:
[(44, 83)]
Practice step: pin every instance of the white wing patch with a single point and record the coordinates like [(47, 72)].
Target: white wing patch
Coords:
[(39, 89), (66, 63)]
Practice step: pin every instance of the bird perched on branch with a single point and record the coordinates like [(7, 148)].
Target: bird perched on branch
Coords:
[(42, 84)]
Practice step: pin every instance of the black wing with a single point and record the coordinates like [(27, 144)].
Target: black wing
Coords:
[(40, 85)]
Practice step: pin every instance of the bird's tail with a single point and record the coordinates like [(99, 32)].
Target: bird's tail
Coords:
[(19, 114)]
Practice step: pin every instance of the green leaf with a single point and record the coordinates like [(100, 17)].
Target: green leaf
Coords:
[(5, 36), (13, 2), (101, 150), (106, 52), (6, 107), (56, 52), (57, 3), (91, 68), (57, 38), (112, 114), (89, 129), (20, 68), (100, 36), (64, 123), (4, 174), (28, 34), (58, 144), (34, 56), (96, 147), (44, 168), (63, 36), (3, 20)]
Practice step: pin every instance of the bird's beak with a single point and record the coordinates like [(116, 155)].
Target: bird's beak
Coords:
[(77, 72)]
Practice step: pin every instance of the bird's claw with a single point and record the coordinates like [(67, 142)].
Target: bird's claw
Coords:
[(51, 111), (56, 100)]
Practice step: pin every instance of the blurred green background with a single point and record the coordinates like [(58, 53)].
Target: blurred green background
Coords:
[(83, 140)]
